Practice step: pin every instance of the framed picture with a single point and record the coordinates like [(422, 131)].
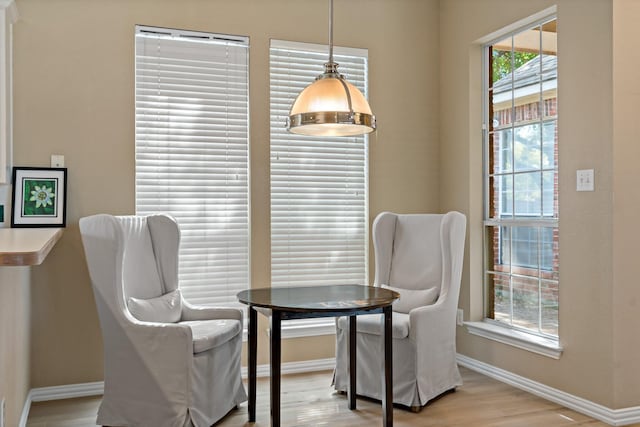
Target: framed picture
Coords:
[(39, 197)]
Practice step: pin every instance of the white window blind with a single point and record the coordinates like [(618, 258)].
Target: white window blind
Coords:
[(192, 117), (319, 226)]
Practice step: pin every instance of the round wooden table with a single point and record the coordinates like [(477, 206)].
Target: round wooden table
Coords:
[(318, 301)]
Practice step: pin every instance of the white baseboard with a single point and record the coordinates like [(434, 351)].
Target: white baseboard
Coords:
[(614, 417), (25, 411), (70, 391)]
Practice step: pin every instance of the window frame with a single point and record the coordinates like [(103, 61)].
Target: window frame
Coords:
[(8, 17), (492, 328)]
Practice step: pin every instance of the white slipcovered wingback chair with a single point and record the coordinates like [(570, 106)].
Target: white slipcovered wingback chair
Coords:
[(419, 256), (166, 362)]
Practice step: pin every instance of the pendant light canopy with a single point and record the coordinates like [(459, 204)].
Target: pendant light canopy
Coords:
[(331, 106)]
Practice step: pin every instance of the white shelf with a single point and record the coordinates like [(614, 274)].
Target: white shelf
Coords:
[(26, 246)]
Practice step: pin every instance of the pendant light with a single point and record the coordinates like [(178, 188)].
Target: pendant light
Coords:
[(331, 106)]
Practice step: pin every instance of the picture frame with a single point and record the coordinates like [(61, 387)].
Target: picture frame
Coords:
[(39, 197)]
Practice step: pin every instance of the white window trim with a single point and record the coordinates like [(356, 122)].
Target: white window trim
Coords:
[(317, 327), (320, 48), (516, 338), (289, 329), (489, 328), (8, 16), (522, 24)]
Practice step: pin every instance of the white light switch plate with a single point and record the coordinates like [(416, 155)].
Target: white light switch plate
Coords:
[(57, 161), (584, 180)]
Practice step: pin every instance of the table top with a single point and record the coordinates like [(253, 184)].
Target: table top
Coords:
[(329, 298)]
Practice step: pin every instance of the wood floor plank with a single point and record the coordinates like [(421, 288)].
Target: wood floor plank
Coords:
[(309, 400)]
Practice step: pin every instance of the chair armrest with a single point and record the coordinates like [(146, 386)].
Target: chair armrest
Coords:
[(170, 331), (430, 324), (177, 338), (433, 332), (194, 312)]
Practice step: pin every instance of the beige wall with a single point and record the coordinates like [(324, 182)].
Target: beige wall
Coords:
[(74, 95), (626, 202), (598, 308), (14, 339)]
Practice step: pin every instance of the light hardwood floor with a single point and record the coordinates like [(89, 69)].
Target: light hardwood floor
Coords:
[(309, 400)]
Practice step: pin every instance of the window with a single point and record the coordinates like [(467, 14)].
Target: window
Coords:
[(319, 221), (192, 101), (521, 180)]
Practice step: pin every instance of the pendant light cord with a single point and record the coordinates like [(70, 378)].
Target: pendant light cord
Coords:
[(331, 31), (332, 67)]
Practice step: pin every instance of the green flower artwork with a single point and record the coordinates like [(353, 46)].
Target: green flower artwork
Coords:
[(39, 197)]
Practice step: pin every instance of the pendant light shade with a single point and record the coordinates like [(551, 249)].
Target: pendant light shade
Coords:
[(331, 106)]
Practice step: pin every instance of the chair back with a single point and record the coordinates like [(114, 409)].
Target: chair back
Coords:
[(140, 276), (150, 264), (419, 251), (129, 256)]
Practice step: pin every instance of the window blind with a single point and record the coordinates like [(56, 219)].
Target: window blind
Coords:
[(319, 203), (192, 115)]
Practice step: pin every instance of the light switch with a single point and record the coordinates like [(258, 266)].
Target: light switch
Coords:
[(57, 161), (584, 180)]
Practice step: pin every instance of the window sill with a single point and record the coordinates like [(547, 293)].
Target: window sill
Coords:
[(536, 344), (297, 329)]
